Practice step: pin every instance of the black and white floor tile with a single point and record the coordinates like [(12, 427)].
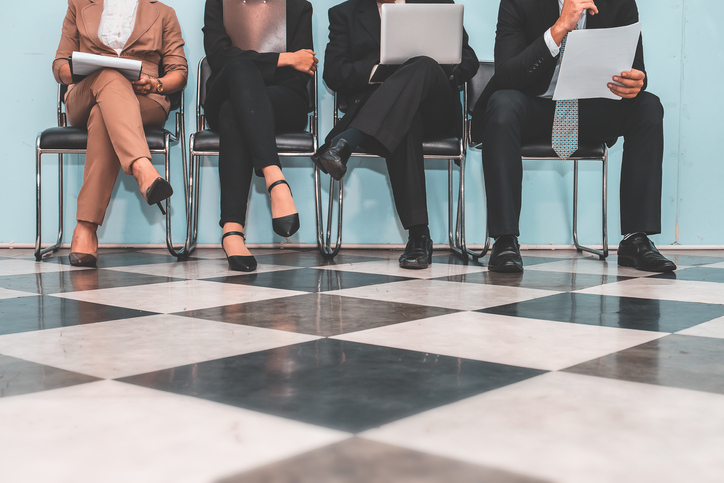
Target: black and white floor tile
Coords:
[(354, 370)]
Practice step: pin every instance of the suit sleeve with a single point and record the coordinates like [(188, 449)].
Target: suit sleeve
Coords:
[(219, 48), (173, 57), (69, 41), (341, 73), (299, 38)]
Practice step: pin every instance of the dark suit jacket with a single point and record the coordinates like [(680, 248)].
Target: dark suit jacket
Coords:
[(522, 59), (219, 48), (354, 49)]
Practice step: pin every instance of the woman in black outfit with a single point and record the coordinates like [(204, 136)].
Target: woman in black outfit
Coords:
[(250, 97)]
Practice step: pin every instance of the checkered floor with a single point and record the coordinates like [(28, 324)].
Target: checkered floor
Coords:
[(152, 370)]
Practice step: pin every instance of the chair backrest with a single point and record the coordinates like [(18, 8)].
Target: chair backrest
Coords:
[(477, 84)]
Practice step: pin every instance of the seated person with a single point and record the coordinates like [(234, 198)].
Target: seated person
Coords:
[(390, 119), (517, 107), (114, 109), (250, 97)]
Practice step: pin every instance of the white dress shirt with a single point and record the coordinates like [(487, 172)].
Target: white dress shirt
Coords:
[(554, 48), (117, 22)]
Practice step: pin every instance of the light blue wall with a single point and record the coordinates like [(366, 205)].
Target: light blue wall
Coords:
[(685, 64)]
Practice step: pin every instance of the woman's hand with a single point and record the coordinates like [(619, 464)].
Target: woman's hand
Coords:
[(145, 84), (304, 60)]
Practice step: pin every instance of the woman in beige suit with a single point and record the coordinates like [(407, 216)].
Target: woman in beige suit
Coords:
[(114, 109)]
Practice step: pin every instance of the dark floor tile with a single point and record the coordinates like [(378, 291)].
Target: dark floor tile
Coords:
[(693, 260), (451, 258), (362, 461), (695, 274), (115, 258), (675, 361), (312, 258), (310, 279), (622, 312), (18, 377), (341, 385), (77, 280), (26, 314), (319, 314), (556, 281)]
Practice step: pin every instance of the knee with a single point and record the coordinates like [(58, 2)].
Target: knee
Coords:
[(109, 76), (423, 62), (505, 107), (242, 68), (649, 109)]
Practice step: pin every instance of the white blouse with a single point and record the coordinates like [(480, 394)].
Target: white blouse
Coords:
[(117, 22)]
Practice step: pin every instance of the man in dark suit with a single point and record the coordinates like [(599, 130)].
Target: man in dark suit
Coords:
[(390, 119), (516, 107)]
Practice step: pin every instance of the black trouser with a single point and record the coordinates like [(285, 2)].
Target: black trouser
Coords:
[(513, 118), (247, 113), (413, 103)]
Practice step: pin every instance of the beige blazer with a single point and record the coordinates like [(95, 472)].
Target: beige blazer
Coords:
[(156, 39)]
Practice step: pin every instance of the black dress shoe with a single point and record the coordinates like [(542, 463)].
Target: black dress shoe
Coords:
[(505, 257), (78, 259), (159, 190), (285, 226), (639, 252), (237, 262), (418, 253), (334, 159)]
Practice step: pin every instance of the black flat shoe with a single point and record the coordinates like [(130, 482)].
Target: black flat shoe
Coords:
[(505, 257), (78, 259), (334, 159), (639, 252), (237, 262), (418, 253), (159, 190), (285, 226)]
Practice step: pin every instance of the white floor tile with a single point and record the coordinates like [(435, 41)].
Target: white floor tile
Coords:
[(195, 269), (392, 268), (713, 328), (589, 265), (570, 428), (515, 341), (13, 294), (663, 289), (12, 266)]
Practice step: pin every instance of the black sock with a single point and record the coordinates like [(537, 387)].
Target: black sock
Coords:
[(419, 230), (354, 137)]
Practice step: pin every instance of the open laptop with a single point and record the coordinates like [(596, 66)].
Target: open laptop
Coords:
[(412, 30)]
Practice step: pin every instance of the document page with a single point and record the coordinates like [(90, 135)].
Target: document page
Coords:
[(83, 64), (592, 58)]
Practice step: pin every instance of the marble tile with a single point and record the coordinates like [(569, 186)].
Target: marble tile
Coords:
[(318, 314), (392, 268), (77, 280), (663, 289), (571, 428), (18, 376), (358, 460), (696, 274), (713, 328), (514, 341), (694, 258), (119, 433), (608, 311), (336, 384), (119, 257), (591, 266), (716, 265), (311, 258), (144, 344), (17, 253), (676, 361), (556, 281), (13, 266), (195, 269), (11, 294), (437, 293), (47, 312), (178, 296)]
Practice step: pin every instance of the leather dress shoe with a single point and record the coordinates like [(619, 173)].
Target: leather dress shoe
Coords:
[(505, 257), (334, 159), (418, 253), (639, 252)]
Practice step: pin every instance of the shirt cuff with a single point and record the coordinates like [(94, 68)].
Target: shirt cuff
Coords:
[(372, 74), (552, 46)]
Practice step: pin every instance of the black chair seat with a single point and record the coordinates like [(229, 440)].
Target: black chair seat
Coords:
[(588, 150), (208, 142), (62, 138), (442, 147)]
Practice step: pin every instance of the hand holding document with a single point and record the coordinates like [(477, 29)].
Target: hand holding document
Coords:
[(591, 59), (83, 64)]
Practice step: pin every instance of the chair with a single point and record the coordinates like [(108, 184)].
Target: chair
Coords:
[(587, 151), (453, 149), (64, 140), (205, 142)]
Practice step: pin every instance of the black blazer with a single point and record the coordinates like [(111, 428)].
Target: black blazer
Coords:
[(522, 59), (219, 48)]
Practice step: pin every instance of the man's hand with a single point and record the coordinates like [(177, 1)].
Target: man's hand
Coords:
[(304, 60), (144, 85), (570, 15), (631, 84)]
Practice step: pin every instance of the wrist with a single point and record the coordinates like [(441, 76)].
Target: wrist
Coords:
[(558, 31), (283, 60)]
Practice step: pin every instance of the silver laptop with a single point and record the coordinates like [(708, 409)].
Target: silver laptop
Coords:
[(412, 30)]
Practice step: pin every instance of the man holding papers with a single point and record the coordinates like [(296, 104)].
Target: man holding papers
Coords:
[(517, 107)]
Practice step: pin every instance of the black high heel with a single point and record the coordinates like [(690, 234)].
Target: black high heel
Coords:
[(237, 262), (159, 190), (285, 226), (78, 259)]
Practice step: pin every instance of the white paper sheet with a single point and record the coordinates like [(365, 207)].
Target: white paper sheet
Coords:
[(591, 59), (86, 64)]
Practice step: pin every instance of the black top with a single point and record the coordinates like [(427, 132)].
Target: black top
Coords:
[(219, 48)]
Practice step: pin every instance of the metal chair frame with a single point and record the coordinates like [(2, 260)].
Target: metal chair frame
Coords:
[(455, 230), (196, 155), (178, 137)]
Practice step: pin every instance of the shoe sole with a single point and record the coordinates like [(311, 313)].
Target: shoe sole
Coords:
[(414, 266), (505, 269), (336, 170)]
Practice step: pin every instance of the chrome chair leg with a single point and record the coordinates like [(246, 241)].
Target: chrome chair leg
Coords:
[(324, 233), (461, 228), (39, 251), (602, 254)]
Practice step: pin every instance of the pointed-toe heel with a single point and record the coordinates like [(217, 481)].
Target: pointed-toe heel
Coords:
[(288, 225), (238, 263), (159, 191), (78, 259)]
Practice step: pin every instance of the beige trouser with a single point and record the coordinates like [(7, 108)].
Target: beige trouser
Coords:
[(115, 115)]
